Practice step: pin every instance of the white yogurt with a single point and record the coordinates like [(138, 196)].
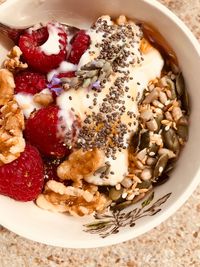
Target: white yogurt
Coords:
[(52, 45), (26, 103), (141, 73)]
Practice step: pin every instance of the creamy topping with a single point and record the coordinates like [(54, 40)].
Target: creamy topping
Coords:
[(52, 45), (109, 110), (26, 103)]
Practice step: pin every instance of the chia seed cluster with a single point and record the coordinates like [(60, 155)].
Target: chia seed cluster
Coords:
[(106, 128)]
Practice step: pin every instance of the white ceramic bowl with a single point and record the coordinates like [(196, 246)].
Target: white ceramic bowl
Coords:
[(27, 219)]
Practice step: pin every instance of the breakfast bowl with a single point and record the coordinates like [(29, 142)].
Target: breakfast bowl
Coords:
[(114, 225)]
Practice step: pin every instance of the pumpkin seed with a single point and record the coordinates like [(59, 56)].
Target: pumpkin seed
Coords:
[(135, 140), (115, 194), (144, 140), (183, 128), (160, 165), (161, 180), (183, 121), (170, 140), (183, 132), (186, 102), (163, 151), (171, 84), (180, 85), (170, 166), (144, 185), (182, 92)]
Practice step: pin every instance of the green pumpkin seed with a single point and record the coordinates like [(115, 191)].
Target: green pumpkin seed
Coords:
[(144, 140), (183, 121), (182, 92), (170, 166), (160, 165), (170, 140), (183, 132), (172, 87), (161, 180), (135, 140), (180, 85), (186, 102), (183, 128), (144, 185), (115, 194)]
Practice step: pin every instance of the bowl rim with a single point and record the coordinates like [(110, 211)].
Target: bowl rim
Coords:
[(155, 221)]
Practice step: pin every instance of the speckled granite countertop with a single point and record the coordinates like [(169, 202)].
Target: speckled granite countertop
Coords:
[(179, 237)]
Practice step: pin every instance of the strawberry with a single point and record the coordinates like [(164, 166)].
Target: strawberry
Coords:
[(30, 45), (42, 131), (23, 178), (80, 43), (30, 82)]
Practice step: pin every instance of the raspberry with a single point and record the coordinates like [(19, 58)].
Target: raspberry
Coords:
[(50, 168), (41, 131), (37, 59), (23, 178), (80, 44), (30, 82), (70, 74)]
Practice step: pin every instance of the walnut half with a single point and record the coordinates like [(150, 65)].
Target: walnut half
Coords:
[(78, 202), (12, 142), (7, 86), (80, 165)]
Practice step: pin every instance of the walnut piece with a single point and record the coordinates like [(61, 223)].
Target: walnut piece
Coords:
[(78, 202), (12, 142), (80, 164), (43, 98), (13, 62), (7, 86)]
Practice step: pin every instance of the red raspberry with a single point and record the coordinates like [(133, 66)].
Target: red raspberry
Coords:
[(70, 74), (37, 59), (50, 168), (42, 129), (80, 43), (23, 178), (30, 82)]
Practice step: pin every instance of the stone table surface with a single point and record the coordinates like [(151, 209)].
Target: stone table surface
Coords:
[(178, 237)]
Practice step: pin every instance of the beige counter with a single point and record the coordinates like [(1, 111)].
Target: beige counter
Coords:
[(179, 237)]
